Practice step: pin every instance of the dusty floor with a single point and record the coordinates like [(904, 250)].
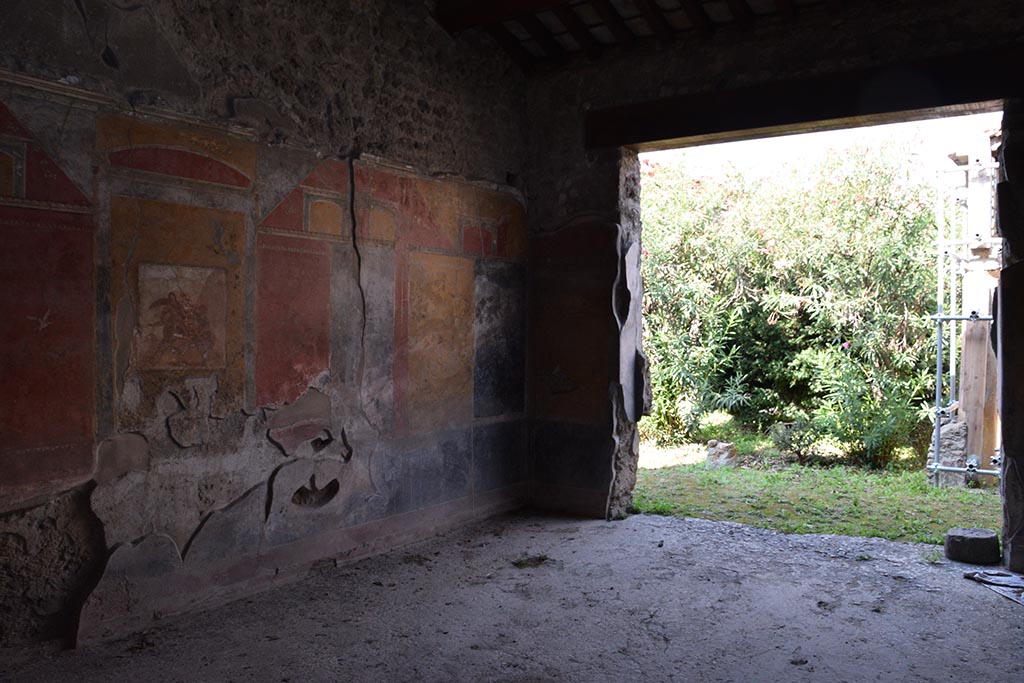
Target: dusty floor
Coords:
[(648, 598)]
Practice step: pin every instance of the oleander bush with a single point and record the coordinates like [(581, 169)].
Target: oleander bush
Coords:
[(800, 299)]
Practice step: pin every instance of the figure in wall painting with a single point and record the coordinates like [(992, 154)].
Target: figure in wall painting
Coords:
[(182, 319)]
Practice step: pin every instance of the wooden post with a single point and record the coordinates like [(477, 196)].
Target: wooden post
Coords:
[(977, 365)]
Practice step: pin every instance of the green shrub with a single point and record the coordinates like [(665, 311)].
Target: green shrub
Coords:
[(803, 298)]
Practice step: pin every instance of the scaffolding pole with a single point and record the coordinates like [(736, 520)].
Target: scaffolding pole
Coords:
[(953, 233)]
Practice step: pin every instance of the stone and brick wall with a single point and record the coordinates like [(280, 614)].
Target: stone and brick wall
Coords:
[(266, 284), (264, 278)]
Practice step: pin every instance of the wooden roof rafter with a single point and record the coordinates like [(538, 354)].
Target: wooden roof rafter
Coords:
[(741, 12), (613, 20), (580, 32), (552, 49), (786, 8), (459, 15), (655, 20), (539, 33), (698, 17)]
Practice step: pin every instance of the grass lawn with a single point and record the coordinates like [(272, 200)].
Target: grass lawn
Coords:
[(899, 505)]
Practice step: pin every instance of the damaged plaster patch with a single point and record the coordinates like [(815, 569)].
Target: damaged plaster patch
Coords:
[(312, 496), (179, 486), (299, 507), (231, 533), (121, 454), (124, 506), (147, 578), (138, 583), (190, 425), (307, 420), (124, 328)]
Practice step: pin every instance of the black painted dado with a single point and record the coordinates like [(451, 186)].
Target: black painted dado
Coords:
[(500, 329)]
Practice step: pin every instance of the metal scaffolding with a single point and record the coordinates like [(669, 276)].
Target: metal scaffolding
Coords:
[(960, 237)]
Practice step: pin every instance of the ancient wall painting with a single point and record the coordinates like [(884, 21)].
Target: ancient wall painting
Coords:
[(176, 151), (293, 283), (182, 317), (391, 206), (319, 205), (439, 229), (29, 172), (326, 217), (439, 347), (178, 296), (379, 224), (47, 303), (495, 225), (293, 317)]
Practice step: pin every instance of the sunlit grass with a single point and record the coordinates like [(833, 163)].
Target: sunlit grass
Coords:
[(899, 506)]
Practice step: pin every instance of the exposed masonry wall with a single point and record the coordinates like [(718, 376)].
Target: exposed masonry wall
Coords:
[(382, 78), (339, 367), (231, 351), (581, 192)]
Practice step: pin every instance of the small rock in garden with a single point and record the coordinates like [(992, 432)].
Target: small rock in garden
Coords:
[(721, 454), (952, 452), (973, 546)]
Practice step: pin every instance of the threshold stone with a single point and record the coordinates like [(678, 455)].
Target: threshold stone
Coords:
[(973, 546)]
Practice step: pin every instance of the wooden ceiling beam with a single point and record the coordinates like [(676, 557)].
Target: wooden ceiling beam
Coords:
[(539, 32), (511, 45), (699, 19), (741, 12), (901, 87), (655, 19), (579, 31), (459, 15), (613, 20), (786, 8)]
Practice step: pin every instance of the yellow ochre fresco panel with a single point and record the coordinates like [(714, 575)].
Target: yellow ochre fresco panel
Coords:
[(440, 341), (325, 217), (178, 296)]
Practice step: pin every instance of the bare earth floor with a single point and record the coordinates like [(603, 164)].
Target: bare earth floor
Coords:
[(645, 599)]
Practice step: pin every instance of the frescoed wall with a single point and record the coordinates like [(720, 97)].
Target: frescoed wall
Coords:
[(251, 372)]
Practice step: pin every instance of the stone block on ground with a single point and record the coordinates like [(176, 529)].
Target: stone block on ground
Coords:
[(973, 546), (722, 454), (952, 453)]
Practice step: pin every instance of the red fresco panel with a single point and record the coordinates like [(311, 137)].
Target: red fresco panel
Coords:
[(45, 182), (179, 163), (47, 304), (388, 187), (293, 316), (477, 241), (330, 175), (288, 214)]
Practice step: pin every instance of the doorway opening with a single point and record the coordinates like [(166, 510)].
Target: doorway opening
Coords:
[(817, 315)]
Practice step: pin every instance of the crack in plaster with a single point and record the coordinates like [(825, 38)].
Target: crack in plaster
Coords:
[(362, 297)]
